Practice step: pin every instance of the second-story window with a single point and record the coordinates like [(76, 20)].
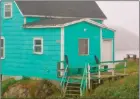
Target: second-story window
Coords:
[(8, 10)]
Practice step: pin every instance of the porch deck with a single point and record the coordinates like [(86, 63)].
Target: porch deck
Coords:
[(105, 75)]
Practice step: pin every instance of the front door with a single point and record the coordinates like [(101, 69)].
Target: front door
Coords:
[(107, 52)]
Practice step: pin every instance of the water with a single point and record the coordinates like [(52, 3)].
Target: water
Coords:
[(120, 55)]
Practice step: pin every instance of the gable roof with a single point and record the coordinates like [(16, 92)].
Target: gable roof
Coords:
[(51, 22), (80, 9), (47, 23)]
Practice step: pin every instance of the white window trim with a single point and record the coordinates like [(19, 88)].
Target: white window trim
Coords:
[(79, 49), (3, 47), (8, 3), (38, 38)]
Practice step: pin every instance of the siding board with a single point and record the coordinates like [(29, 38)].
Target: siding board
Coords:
[(19, 57)]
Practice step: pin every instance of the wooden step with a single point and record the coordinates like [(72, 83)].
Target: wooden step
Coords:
[(73, 92), (73, 84), (73, 87), (72, 95)]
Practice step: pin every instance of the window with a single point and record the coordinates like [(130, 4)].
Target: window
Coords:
[(8, 10), (38, 46), (2, 49), (83, 46)]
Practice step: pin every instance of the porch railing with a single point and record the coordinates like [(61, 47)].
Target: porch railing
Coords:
[(102, 64), (64, 78), (83, 84)]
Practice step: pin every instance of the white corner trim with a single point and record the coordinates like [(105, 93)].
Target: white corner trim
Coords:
[(38, 38), (1, 37), (18, 8), (101, 44), (62, 49), (24, 20)]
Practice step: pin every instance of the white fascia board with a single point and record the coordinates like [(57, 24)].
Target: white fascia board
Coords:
[(41, 26), (60, 17), (71, 23)]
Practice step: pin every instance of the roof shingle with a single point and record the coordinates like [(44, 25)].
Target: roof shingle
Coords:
[(81, 9), (51, 22)]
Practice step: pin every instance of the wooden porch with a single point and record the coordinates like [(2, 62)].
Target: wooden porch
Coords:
[(102, 76), (92, 75)]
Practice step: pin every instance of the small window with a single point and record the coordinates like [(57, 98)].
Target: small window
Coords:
[(2, 48), (38, 45), (8, 10), (83, 47)]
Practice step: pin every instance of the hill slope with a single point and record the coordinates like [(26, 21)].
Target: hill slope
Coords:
[(125, 40)]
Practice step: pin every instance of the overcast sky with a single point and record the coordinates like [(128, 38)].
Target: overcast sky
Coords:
[(121, 13)]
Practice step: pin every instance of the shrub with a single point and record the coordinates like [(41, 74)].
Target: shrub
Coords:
[(25, 78)]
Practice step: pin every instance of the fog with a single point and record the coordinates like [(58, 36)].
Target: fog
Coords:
[(121, 13)]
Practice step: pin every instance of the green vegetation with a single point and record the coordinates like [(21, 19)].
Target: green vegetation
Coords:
[(125, 88), (7, 83), (132, 67)]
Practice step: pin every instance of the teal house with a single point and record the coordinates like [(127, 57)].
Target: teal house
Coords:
[(37, 37)]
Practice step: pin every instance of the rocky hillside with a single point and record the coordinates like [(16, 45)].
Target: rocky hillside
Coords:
[(41, 89)]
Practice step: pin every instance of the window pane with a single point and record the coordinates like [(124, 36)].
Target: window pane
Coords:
[(7, 14), (7, 7), (37, 42), (83, 46), (1, 54), (37, 48), (86, 46), (1, 43)]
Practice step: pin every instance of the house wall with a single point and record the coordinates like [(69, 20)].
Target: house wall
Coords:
[(32, 19), (75, 32), (19, 57)]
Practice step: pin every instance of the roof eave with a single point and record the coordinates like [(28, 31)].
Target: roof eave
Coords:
[(69, 23)]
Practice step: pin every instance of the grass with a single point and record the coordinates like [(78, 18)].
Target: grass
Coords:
[(7, 83), (132, 67), (126, 88)]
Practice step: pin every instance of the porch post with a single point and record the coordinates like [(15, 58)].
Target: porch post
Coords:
[(88, 76), (125, 68), (113, 70), (99, 74)]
